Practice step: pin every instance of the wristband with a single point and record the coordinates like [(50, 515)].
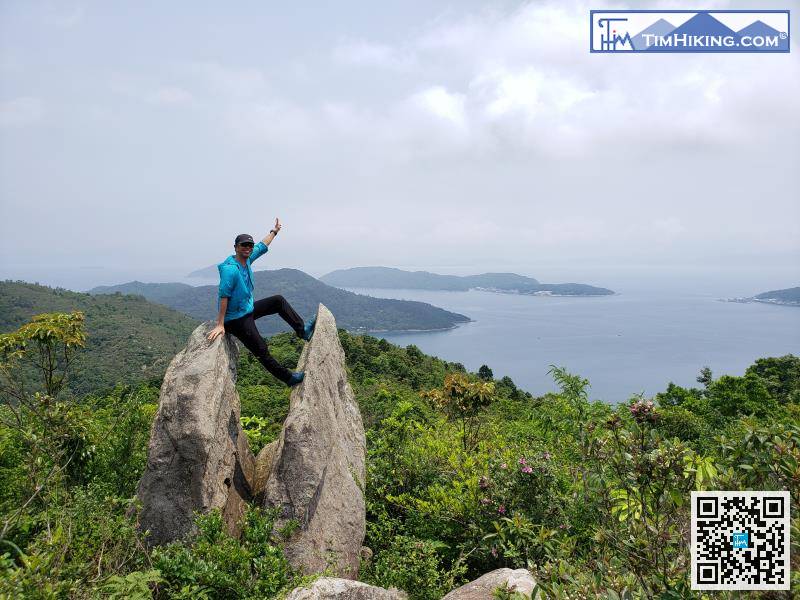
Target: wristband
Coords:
[(275, 231)]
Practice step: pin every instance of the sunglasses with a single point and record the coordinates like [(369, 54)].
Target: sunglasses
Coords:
[(246, 244)]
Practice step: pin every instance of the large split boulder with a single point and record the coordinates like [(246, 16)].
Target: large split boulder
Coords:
[(513, 580), (318, 467), (198, 458), (333, 588)]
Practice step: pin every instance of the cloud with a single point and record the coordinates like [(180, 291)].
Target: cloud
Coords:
[(523, 82), (64, 17), (170, 96), (440, 103), (363, 53), (226, 80), (481, 135), (20, 112), (669, 227), (275, 123), (492, 84), (526, 79)]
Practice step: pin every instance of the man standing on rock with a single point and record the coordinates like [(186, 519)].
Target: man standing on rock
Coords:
[(238, 313)]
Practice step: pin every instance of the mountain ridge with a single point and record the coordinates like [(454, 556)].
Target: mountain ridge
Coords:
[(393, 278), (354, 312)]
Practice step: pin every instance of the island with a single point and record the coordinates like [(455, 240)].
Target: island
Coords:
[(787, 297), (505, 283)]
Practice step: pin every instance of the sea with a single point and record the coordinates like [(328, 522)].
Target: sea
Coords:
[(634, 342), (661, 326)]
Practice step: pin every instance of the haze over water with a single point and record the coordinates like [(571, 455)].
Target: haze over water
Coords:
[(663, 325), (637, 341)]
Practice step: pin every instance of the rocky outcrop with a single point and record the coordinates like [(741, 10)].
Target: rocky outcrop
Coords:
[(331, 588), (318, 472), (516, 580), (263, 469), (198, 458)]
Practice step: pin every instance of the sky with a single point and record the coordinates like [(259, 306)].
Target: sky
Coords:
[(138, 139)]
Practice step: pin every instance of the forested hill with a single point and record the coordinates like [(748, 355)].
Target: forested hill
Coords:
[(353, 312), (128, 338), (385, 277), (789, 296), (465, 474)]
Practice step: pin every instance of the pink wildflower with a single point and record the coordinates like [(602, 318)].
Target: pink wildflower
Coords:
[(527, 469), (503, 466), (501, 509), (643, 410), (485, 501), (494, 551), (522, 460)]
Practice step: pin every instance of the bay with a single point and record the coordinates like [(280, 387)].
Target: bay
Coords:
[(634, 342)]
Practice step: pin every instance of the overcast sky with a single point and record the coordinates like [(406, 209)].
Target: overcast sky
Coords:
[(137, 139)]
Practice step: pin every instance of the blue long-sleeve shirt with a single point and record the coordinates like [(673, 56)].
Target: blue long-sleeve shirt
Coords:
[(236, 283)]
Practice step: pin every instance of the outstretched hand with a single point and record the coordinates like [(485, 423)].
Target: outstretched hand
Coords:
[(216, 332), (277, 227)]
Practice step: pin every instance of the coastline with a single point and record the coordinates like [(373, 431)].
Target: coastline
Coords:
[(772, 301), (403, 331), (543, 293)]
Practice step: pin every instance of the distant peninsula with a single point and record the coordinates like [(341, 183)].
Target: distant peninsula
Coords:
[(787, 297), (354, 312), (507, 283)]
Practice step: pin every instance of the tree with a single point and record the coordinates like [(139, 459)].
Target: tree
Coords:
[(54, 433), (781, 376), (706, 377), (734, 396), (485, 373), (463, 400)]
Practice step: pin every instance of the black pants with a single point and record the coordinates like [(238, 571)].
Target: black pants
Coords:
[(245, 329)]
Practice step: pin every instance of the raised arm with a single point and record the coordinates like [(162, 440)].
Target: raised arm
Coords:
[(272, 232), (262, 247)]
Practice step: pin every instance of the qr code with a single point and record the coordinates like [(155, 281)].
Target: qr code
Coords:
[(740, 540)]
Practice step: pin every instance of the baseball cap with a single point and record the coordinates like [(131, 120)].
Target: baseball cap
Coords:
[(243, 237)]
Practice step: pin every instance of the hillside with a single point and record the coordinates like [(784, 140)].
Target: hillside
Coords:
[(464, 474), (385, 277), (786, 297), (128, 338), (789, 296), (353, 312)]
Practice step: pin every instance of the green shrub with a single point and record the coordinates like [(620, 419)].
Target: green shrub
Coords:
[(222, 566), (412, 565)]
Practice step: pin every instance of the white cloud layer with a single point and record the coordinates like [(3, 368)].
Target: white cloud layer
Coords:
[(21, 111), (436, 135)]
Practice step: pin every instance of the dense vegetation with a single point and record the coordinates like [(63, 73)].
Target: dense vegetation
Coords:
[(354, 312), (132, 340), (385, 277), (465, 474)]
